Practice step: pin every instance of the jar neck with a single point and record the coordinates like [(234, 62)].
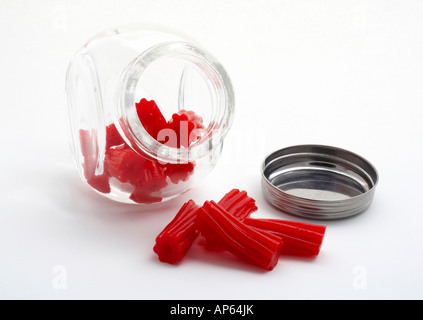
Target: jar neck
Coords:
[(220, 100)]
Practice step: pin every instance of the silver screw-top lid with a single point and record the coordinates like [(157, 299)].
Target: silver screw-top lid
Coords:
[(318, 182)]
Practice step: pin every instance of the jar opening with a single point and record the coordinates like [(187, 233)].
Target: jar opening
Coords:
[(176, 75)]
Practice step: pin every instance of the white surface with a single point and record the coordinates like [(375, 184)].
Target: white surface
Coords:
[(342, 73)]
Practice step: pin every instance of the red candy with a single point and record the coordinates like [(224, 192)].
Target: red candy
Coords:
[(151, 117), (179, 171), (100, 183), (227, 225), (149, 179), (120, 162), (140, 195), (188, 127), (255, 246), (177, 237), (301, 239), (146, 175), (238, 204), (126, 165), (113, 137)]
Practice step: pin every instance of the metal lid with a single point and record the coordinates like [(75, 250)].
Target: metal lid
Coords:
[(318, 182)]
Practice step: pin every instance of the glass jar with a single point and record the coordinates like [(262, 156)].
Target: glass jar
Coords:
[(148, 112)]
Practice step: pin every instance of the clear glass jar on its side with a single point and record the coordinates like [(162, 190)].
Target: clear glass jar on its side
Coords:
[(124, 71)]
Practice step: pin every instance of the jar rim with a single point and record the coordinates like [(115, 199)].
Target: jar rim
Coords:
[(219, 83)]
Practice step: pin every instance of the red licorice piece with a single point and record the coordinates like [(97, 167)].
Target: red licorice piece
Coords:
[(100, 183), (126, 165), (113, 137), (255, 246), (302, 239), (146, 174), (238, 204), (149, 176), (188, 127), (179, 171), (141, 195), (177, 237), (149, 179), (120, 162), (151, 117)]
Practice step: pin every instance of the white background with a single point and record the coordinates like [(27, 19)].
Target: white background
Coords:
[(341, 73)]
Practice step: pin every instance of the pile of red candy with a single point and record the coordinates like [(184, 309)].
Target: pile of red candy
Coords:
[(146, 175), (227, 225)]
